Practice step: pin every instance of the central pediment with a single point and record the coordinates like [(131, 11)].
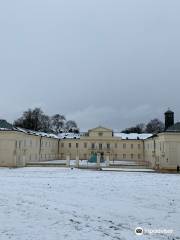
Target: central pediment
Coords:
[(100, 132), (100, 128)]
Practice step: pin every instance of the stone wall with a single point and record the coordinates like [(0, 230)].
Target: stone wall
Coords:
[(18, 148)]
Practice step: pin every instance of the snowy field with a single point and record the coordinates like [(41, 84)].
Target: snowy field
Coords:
[(65, 204)]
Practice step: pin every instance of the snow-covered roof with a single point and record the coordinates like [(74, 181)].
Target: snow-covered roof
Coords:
[(133, 136), (130, 136), (69, 135), (42, 134), (4, 126), (4, 129)]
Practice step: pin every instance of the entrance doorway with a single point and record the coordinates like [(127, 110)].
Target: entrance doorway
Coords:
[(102, 157)]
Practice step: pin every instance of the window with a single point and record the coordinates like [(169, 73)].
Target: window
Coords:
[(124, 156), (62, 145), (100, 134), (132, 146), (132, 156), (115, 156), (85, 145), (85, 156), (77, 145), (124, 145), (93, 145), (115, 145), (100, 146), (69, 145), (139, 156), (108, 146), (139, 146)]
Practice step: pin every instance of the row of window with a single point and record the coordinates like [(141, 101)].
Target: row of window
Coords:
[(48, 144), (100, 146), (153, 146), (29, 143), (124, 156)]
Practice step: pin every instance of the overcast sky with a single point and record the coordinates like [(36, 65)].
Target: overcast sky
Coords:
[(100, 62)]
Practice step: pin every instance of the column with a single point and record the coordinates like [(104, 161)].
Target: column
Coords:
[(67, 160), (98, 160), (77, 161), (24, 161), (107, 160)]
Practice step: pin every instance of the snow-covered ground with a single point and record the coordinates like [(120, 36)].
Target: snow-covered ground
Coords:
[(65, 204)]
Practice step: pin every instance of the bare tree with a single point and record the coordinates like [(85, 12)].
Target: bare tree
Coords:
[(71, 126), (155, 126), (34, 120), (139, 128), (58, 123)]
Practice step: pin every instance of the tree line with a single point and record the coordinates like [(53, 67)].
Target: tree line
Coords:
[(36, 120), (153, 126)]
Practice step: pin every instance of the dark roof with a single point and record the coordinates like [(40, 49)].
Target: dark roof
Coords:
[(169, 111), (174, 128), (4, 125)]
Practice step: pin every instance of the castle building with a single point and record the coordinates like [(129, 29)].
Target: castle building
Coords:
[(20, 146), (103, 141), (160, 151)]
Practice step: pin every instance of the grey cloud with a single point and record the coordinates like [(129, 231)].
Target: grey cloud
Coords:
[(99, 62)]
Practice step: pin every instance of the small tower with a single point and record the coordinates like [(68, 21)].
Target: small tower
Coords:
[(169, 119)]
